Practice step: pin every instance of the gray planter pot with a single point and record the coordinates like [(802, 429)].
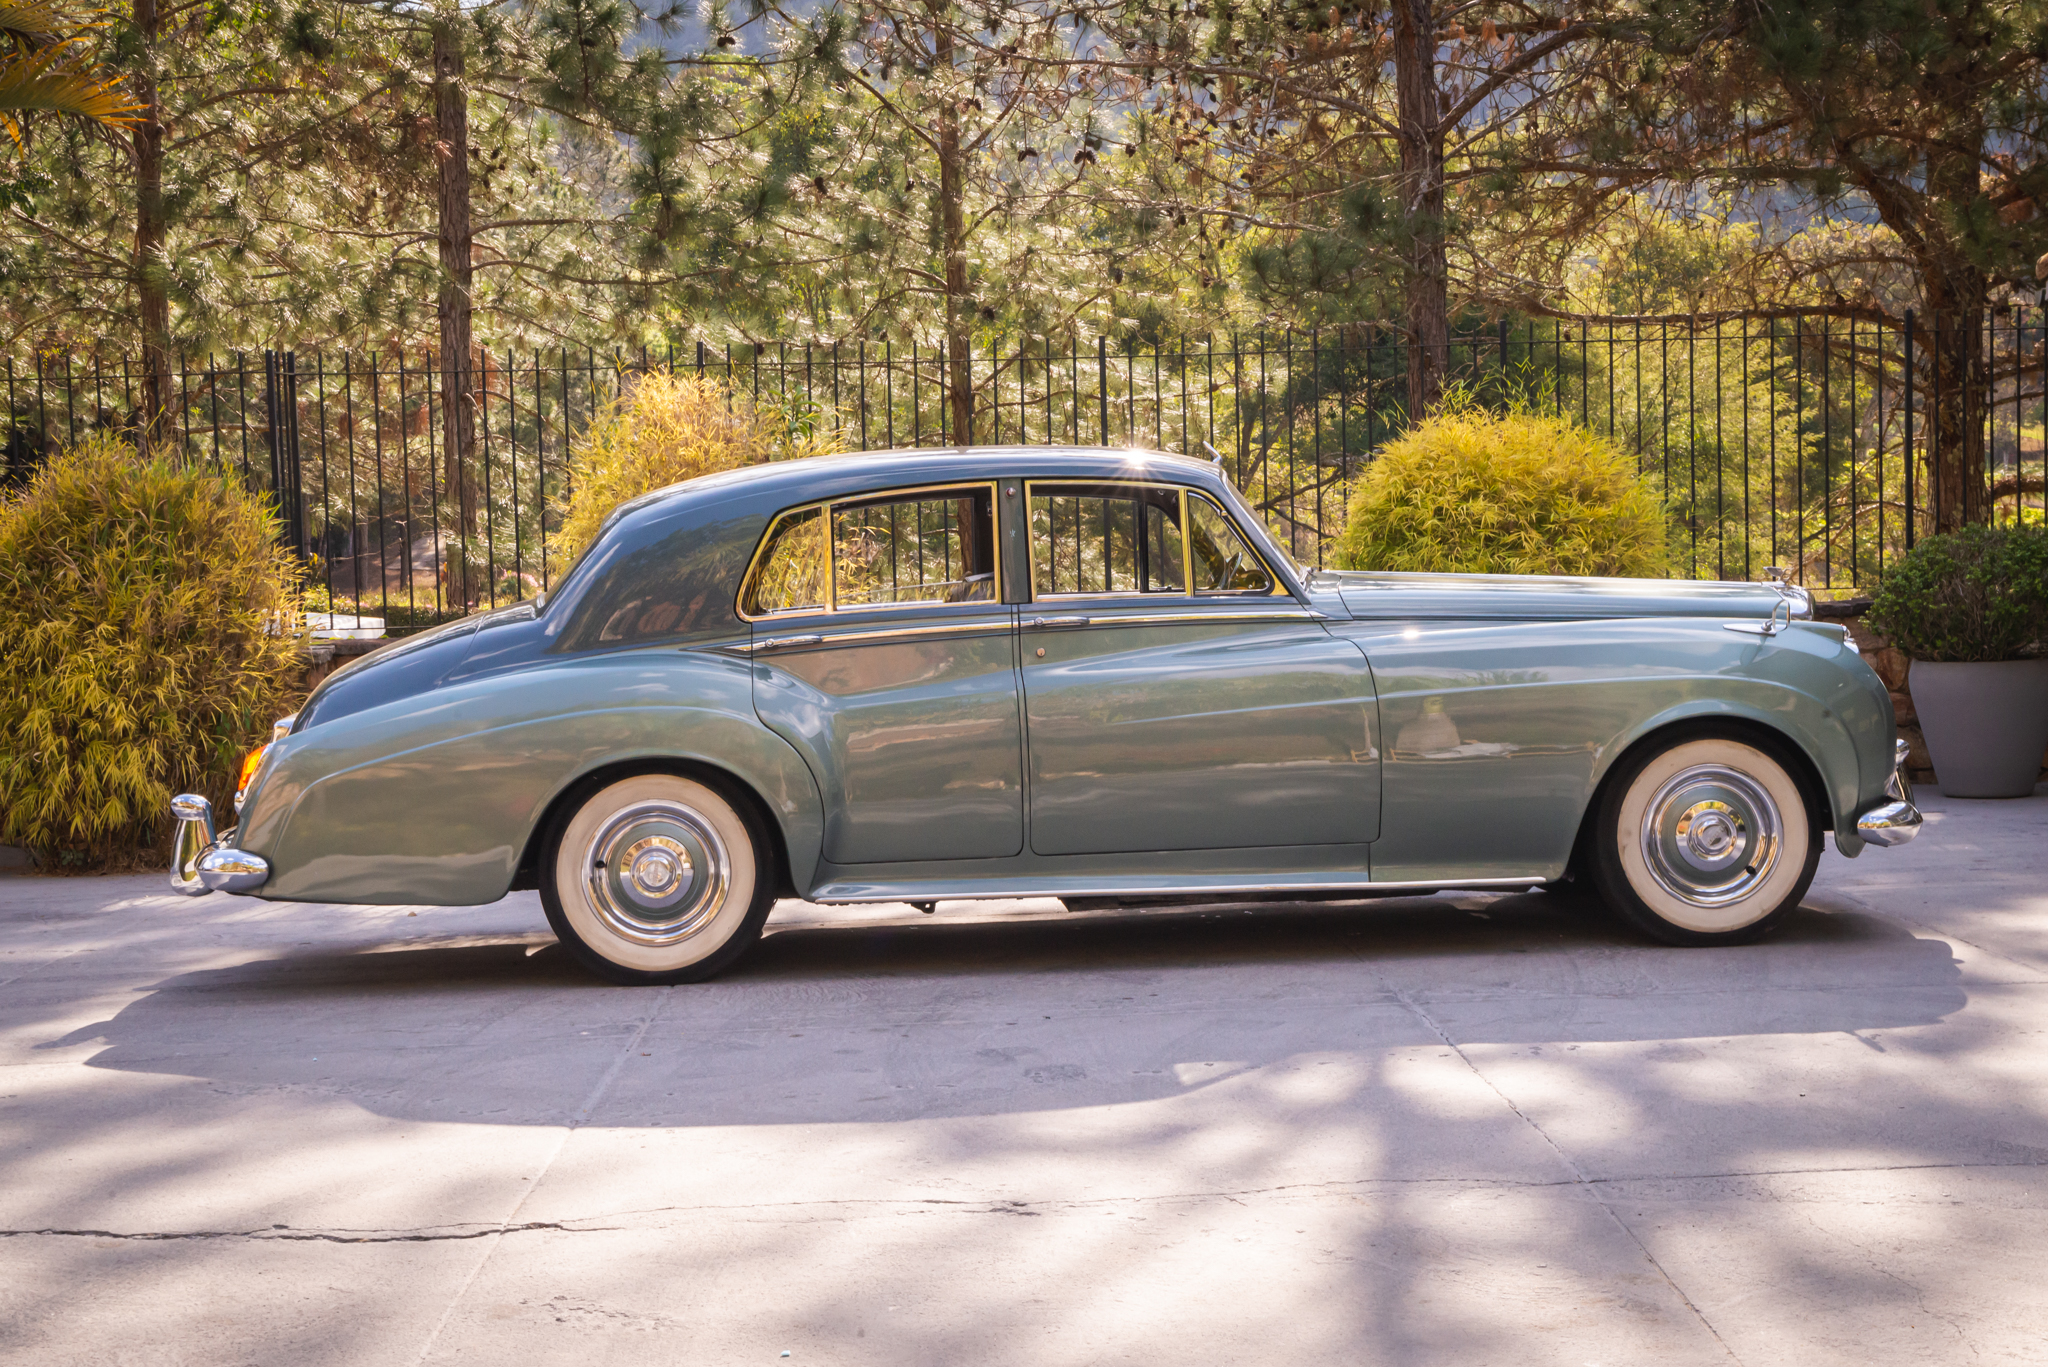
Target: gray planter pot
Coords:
[(1986, 724)]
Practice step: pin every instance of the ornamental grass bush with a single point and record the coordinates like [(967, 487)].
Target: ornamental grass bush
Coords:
[(1521, 492), (147, 620), (1975, 595), (662, 430)]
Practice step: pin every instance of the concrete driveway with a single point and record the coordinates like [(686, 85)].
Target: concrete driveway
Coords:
[(1457, 1130)]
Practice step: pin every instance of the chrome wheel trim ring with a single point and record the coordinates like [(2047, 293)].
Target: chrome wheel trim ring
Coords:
[(1712, 835), (657, 873)]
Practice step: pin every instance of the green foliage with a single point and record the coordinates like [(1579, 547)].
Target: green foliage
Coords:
[(665, 429), (1974, 595), (142, 647), (300, 186), (1519, 492)]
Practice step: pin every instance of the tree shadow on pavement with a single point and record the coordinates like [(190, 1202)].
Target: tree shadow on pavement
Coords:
[(859, 1023)]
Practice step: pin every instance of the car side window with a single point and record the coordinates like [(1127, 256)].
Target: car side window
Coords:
[(789, 575), (934, 546), (1223, 563), (914, 546), (1106, 538)]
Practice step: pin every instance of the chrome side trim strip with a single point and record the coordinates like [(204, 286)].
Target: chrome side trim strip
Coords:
[(1218, 616), (879, 634), (967, 892)]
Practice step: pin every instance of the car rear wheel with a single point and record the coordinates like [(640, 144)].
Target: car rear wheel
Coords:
[(655, 879), (1706, 840)]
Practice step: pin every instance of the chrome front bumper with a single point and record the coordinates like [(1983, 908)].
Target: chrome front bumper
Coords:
[(1896, 820), (202, 862)]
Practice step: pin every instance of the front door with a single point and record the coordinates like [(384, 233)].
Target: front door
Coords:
[(882, 654), (1176, 697)]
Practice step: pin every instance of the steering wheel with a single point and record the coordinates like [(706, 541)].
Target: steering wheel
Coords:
[(1229, 574)]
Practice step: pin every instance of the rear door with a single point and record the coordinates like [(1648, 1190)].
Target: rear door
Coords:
[(881, 652), (1176, 696)]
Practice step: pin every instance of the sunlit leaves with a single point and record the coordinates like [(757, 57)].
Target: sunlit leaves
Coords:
[(147, 638)]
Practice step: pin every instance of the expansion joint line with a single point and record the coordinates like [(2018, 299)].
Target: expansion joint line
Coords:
[(1591, 1187), (577, 1120)]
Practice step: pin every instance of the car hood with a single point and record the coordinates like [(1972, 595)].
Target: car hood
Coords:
[(1536, 597)]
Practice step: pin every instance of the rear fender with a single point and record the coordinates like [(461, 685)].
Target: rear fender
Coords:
[(433, 799)]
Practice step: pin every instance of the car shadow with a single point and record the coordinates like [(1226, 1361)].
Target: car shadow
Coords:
[(878, 1022)]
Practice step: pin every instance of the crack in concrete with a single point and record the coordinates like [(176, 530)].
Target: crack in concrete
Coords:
[(1579, 1178), (980, 1206), (1352, 1186), (286, 1234), (576, 1122)]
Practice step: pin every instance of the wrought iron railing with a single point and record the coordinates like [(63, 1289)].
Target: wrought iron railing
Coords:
[(1815, 440)]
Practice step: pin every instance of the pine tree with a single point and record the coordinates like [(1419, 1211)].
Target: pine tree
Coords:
[(928, 152)]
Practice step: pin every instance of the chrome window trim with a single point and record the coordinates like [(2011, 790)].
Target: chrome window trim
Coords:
[(1279, 588), (824, 507)]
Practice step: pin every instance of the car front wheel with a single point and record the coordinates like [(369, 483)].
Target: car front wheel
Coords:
[(1704, 841), (655, 879)]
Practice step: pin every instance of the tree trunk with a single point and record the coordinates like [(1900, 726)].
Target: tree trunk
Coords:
[(1426, 284), (1961, 379), (953, 239), (152, 267), (1957, 293), (458, 419)]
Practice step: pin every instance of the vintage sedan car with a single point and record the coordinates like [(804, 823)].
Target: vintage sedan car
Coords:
[(1079, 673)]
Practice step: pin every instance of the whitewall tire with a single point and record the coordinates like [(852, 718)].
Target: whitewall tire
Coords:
[(655, 878), (1707, 839)]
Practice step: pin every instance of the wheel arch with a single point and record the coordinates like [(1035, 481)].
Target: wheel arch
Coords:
[(1718, 719), (727, 782)]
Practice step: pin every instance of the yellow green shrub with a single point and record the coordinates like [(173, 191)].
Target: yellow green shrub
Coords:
[(147, 615), (1474, 492), (662, 430)]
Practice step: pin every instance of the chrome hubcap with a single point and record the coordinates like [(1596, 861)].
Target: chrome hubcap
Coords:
[(1711, 835), (658, 872)]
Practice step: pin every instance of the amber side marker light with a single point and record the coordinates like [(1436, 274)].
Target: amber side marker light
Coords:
[(251, 762)]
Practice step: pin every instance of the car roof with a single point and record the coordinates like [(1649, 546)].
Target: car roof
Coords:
[(686, 546), (799, 481)]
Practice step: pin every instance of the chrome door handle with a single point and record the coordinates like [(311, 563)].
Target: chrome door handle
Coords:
[(783, 642), (1058, 622)]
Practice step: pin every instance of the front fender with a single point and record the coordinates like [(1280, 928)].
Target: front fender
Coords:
[(432, 799), (1497, 735), (1812, 687)]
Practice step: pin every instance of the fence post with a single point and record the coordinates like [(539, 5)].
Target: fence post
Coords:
[(281, 420), (1909, 429), (1102, 384)]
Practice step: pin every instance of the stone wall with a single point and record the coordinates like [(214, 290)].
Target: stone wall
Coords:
[(324, 657)]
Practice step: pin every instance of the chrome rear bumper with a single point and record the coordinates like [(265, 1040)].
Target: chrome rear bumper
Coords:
[(202, 862), (1896, 820)]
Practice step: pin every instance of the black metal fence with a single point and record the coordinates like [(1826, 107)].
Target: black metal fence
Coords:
[(1798, 439)]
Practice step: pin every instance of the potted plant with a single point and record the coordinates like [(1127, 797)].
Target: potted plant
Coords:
[(1971, 610)]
